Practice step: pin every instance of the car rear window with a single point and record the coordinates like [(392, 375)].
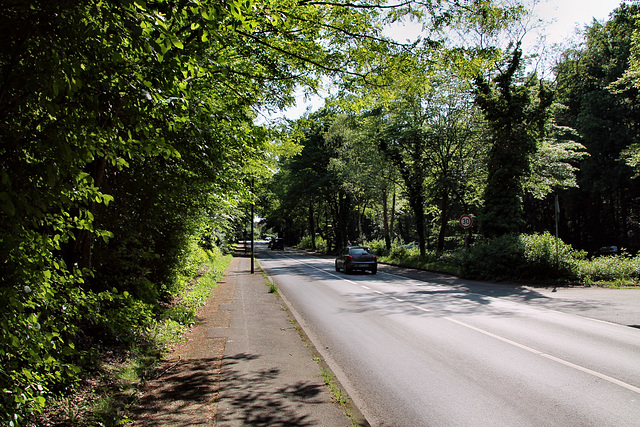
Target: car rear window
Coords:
[(359, 251)]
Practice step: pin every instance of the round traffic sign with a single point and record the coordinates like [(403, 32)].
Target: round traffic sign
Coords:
[(466, 221)]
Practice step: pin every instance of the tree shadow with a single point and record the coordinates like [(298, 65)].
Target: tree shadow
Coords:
[(214, 391), (255, 395), (183, 395), (435, 295)]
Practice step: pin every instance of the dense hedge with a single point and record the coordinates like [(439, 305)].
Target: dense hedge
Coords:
[(532, 257), (540, 258)]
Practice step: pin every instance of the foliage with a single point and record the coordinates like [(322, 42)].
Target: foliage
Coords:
[(320, 244), (123, 125), (553, 165), (607, 121), (613, 270), (211, 266), (517, 113), (122, 372), (521, 257), (404, 143), (379, 247), (629, 83)]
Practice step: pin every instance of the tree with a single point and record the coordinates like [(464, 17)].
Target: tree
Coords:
[(454, 130), (606, 120), (404, 142), (517, 114)]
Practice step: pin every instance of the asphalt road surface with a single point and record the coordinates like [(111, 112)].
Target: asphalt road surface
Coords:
[(432, 353)]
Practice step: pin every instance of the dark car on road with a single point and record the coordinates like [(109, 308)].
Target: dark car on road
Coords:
[(354, 258), (276, 244)]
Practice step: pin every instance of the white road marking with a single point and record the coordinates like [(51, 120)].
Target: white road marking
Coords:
[(550, 357)]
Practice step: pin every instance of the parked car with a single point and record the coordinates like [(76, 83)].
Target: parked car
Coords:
[(607, 250), (276, 244), (354, 258)]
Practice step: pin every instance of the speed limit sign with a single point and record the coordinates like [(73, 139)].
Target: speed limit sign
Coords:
[(466, 221)]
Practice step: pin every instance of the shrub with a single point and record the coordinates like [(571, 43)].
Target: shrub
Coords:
[(533, 257), (495, 259), (321, 244), (549, 258), (404, 256), (616, 269), (378, 247)]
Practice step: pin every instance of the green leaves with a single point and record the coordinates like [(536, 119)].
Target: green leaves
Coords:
[(517, 113)]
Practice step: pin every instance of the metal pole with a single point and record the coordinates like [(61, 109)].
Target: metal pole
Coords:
[(557, 213), (252, 226)]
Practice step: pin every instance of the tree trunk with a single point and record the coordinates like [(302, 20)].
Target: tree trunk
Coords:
[(385, 219), (416, 202), (312, 226), (443, 221), (393, 215)]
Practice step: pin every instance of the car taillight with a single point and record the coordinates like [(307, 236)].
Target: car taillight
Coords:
[(349, 257), (374, 257)]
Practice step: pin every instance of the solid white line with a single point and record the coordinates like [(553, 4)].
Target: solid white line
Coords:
[(550, 357)]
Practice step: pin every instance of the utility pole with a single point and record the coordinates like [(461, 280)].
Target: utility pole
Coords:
[(557, 214), (252, 225)]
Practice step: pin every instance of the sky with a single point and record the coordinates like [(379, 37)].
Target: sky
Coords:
[(562, 19)]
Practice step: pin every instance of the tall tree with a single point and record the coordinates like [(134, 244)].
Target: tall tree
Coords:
[(454, 129), (517, 112), (404, 142), (606, 200)]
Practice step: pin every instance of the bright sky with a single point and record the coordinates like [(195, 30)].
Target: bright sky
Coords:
[(563, 18), (567, 15)]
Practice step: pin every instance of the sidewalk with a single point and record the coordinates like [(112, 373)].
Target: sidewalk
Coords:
[(244, 363)]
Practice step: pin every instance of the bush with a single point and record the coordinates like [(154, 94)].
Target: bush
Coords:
[(615, 269), (549, 258), (379, 247), (496, 259), (532, 257), (404, 256), (306, 244)]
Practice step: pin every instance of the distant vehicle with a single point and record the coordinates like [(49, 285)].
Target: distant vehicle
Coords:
[(607, 250), (354, 258), (276, 244)]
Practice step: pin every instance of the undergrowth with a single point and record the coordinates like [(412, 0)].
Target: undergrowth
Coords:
[(539, 258), (105, 393)]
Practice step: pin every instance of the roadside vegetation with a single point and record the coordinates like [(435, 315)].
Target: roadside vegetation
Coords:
[(115, 373)]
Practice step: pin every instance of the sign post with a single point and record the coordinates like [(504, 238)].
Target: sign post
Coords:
[(466, 221)]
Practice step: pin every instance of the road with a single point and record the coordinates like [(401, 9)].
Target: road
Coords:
[(416, 353)]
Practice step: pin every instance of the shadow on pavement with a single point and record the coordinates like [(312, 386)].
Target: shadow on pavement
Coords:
[(184, 395), (251, 398)]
